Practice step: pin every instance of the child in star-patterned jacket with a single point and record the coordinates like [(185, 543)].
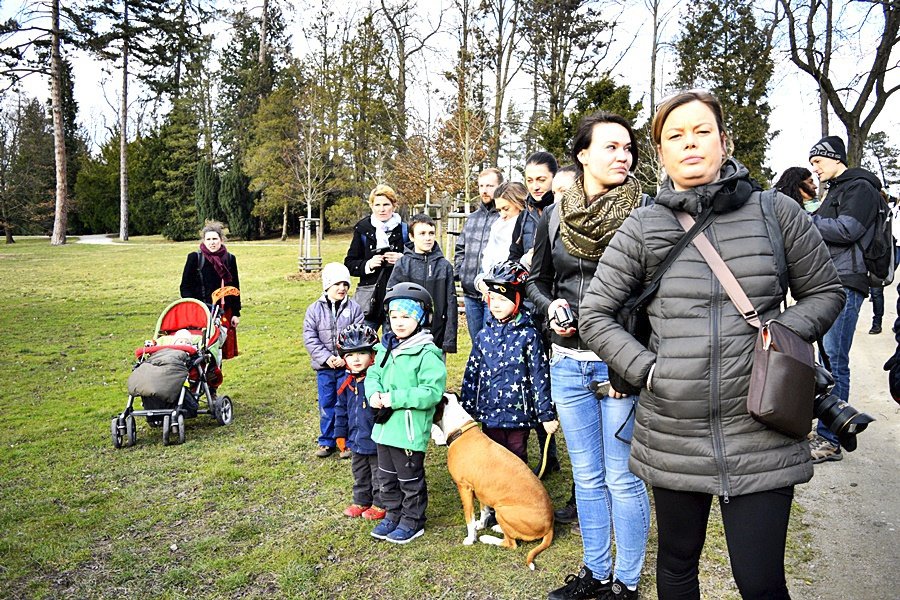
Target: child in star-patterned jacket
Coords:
[(506, 385)]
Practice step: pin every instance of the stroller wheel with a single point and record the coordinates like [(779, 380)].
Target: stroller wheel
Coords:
[(223, 410), (130, 433), (166, 429), (180, 428), (117, 437)]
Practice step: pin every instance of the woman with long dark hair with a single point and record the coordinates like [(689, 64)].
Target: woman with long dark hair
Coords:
[(798, 183), (571, 237)]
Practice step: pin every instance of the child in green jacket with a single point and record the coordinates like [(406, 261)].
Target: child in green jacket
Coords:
[(404, 385)]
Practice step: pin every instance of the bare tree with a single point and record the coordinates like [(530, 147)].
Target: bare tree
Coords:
[(871, 91), (407, 43), (16, 67), (61, 214), (505, 16)]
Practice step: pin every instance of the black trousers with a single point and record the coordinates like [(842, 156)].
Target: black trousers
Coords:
[(755, 531), (403, 488), (366, 479)]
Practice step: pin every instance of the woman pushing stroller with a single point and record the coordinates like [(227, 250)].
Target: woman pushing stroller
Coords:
[(208, 269)]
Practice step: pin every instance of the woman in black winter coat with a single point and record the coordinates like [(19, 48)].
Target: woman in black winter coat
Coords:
[(208, 269), (377, 245)]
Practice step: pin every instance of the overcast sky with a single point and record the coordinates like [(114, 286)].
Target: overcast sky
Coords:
[(792, 93)]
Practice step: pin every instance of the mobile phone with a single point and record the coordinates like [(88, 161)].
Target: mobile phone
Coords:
[(600, 388)]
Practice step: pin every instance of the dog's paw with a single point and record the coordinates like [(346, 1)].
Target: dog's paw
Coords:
[(490, 539), (497, 529), (468, 541)]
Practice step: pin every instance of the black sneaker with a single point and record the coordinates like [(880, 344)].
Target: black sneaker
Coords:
[(876, 329), (618, 591), (566, 514), (582, 586)]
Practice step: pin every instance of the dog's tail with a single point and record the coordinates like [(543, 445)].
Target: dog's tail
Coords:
[(545, 543)]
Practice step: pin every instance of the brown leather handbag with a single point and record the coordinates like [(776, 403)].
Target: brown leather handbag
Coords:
[(783, 379)]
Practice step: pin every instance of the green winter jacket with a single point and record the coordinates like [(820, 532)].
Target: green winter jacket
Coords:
[(414, 375)]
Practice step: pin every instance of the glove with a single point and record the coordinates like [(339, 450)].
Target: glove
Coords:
[(341, 443), (383, 414), (892, 366)]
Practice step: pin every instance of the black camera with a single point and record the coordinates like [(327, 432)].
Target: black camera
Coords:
[(563, 316), (839, 417)]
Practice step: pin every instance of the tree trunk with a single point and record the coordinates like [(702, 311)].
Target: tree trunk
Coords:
[(284, 223), (7, 229), (123, 141), (61, 216)]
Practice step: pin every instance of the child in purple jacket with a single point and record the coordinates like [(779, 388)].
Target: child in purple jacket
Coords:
[(325, 319)]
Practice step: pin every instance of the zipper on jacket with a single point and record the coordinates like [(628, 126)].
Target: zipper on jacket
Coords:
[(715, 410)]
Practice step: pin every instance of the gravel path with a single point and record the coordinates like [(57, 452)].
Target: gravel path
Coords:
[(95, 238), (853, 506)]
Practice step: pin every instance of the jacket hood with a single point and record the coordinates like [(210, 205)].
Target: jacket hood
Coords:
[(856, 173), (728, 193), (435, 253)]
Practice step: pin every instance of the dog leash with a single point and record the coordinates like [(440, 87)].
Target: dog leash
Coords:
[(544, 457)]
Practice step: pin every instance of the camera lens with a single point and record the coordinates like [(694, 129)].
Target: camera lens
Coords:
[(841, 419)]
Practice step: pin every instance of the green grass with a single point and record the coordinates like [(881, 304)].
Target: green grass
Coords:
[(237, 511)]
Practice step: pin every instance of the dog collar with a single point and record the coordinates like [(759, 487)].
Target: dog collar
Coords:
[(455, 435)]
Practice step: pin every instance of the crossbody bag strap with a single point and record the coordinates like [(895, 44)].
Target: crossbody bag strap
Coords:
[(723, 273), (706, 219)]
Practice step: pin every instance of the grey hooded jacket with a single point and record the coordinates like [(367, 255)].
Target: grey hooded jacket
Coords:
[(693, 431)]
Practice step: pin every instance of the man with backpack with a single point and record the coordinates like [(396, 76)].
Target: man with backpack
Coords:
[(849, 220)]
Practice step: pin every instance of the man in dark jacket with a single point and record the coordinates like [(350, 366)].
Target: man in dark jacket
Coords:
[(845, 219), (470, 245), (425, 265)]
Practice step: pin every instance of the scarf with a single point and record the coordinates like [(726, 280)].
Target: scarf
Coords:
[(217, 260), (383, 230), (585, 229)]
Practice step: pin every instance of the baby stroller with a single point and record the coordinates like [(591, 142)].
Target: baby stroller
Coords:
[(177, 381)]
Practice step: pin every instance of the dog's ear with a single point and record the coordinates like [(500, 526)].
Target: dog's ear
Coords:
[(439, 410)]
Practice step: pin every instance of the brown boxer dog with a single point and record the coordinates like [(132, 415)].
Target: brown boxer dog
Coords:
[(499, 479)]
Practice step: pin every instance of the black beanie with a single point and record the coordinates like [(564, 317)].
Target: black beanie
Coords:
[(830, 146)]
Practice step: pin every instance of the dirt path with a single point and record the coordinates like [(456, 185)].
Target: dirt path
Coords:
[(853, 506), (98, 238)]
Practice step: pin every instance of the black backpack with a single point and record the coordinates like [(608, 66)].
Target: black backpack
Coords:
[(879, 255)]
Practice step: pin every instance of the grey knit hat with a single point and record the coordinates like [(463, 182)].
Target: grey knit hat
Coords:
[(830, 147)]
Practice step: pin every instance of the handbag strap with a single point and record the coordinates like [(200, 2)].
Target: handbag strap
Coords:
[(722, 272)]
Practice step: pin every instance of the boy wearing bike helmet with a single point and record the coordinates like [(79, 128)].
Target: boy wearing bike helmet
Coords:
[(354, 420), (404, 385), (506, 384)]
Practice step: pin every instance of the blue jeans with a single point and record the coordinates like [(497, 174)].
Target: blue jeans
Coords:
[(327, 381), (476, 315), (610, 498), (837, 342), (876, 295)]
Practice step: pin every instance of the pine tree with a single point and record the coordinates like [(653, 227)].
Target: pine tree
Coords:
[(206, 193), (602, 94), (723, 49), (237, 201), (32, 172)]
